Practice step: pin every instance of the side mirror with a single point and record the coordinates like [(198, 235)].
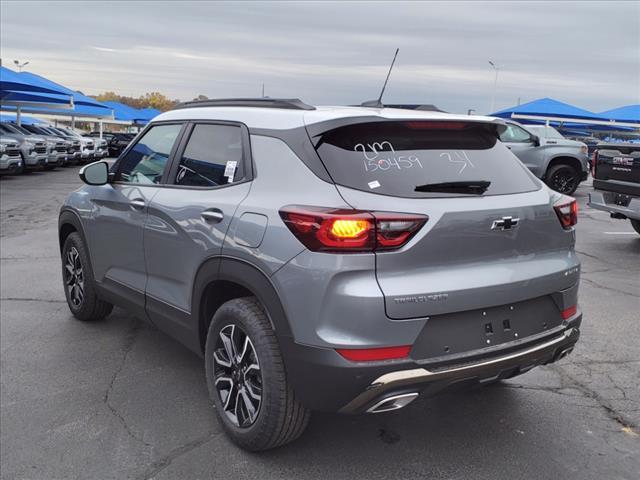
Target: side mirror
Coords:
[(96, 173), (536, 140)]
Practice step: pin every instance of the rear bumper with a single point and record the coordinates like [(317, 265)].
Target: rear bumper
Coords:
[(623, 206), (323, 380)]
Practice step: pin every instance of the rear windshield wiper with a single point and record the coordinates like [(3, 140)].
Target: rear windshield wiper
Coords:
[(472, 187)]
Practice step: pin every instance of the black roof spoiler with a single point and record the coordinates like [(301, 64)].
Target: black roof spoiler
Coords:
[(407, 106), (282, 103)]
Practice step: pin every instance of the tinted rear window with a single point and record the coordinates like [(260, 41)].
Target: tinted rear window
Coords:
[(392, 158)]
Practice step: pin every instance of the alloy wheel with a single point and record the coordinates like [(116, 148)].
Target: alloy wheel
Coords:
[(563, 180), (74, 277), (237, 376)]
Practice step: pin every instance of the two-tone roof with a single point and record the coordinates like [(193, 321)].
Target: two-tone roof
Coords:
[(282, 118)]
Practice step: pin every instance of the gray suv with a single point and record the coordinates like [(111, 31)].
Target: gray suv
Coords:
[(560, 162), (326, 258)]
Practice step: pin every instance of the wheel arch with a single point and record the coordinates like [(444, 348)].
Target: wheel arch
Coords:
[(68, 223), (564, 159), (220, 279)]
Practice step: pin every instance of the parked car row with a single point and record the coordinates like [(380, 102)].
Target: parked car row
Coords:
[(31, 147)]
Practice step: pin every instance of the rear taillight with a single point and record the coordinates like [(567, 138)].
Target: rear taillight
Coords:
[(594, 161), (375, 354), (569, 312), (341, 230), (567, 210)]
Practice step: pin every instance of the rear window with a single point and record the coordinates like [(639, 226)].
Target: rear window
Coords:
[(393, 158)]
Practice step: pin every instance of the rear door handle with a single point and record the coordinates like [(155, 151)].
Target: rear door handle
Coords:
[(138, 203), (213, 215)]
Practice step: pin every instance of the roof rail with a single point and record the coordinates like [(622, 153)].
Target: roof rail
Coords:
[(284, 103)]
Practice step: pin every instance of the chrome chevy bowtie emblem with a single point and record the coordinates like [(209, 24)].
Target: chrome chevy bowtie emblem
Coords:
[(505, 223)]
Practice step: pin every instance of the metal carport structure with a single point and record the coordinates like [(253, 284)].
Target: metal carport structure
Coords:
[(549, 110)]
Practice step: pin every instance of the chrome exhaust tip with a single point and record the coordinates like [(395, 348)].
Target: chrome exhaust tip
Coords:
[(395, 402), (564, 353)]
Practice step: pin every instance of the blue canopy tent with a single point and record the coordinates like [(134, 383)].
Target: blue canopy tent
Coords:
[(14, 81), (628, 113), (135, 116), (31, 93), (548, 107), (13, 97), (18, 91), (149, 114), (554, 112), (83, 106), (121, 111), (77, 111)]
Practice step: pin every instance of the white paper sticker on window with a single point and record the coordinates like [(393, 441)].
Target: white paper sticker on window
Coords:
[(374, 184), (230, 170)]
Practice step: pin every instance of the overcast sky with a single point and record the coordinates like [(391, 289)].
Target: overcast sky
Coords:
[(584, 53)]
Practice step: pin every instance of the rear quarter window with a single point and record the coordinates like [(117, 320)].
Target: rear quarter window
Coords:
[(393, 158)]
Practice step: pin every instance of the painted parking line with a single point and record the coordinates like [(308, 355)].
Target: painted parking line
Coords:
[(620, 233)]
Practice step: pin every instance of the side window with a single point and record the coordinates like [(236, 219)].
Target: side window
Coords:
[(212, 157), (515, 134), (146, 161)]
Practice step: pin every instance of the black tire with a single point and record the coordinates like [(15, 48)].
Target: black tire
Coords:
[(563, 178), (635, 224), (279, 417), (85, 306)]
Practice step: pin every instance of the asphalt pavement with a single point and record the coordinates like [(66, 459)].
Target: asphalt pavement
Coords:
[(118, 399)]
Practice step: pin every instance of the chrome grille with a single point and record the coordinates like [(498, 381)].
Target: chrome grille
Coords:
[(12, 151)]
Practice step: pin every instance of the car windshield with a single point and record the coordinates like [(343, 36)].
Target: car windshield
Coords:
[(422, 159), (6, 129), (20, 129)]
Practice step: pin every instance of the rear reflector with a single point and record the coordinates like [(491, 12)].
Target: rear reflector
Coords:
[(569, 312), (375, 354), (567, 210), (343, 231)]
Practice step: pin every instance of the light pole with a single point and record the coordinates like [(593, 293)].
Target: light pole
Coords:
[(495, 87), (20, 65)]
